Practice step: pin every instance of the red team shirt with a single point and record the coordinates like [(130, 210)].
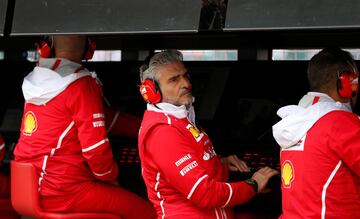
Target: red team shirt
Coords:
[(65, 137), (183, 174), (321, 172)]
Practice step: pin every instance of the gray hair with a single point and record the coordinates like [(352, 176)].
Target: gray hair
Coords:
[(150, 70)]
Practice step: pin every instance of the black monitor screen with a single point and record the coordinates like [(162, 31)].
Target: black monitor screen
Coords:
[(284, 14), (37, 17), (3, 7)]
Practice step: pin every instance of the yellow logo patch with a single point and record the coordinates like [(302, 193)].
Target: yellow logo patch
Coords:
[(195, 132), (30, 123), (287, 173)]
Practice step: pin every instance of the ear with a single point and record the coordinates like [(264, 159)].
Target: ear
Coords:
[(150, 92)]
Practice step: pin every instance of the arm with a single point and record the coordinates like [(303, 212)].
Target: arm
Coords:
[(166, 146), (87, 111), (234, 163), (346, 141)]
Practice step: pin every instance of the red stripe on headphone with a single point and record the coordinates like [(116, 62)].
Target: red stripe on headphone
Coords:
[(316, 99), (57, 63)]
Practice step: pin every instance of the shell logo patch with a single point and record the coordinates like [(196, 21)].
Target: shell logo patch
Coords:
[(195, 132), (287, 173), (30, 123)]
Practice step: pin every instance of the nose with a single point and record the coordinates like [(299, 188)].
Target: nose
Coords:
[(186, 83)]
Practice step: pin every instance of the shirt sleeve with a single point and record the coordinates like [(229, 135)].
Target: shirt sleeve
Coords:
[(346, 140), (87, 111), (178, 162)]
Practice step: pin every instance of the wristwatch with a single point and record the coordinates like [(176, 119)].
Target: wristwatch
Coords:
[(253, 184)]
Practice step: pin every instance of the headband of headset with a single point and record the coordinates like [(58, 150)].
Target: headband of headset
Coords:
[(149, 88), (46, 50)]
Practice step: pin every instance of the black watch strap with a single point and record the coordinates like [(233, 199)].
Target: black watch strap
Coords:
[(253, 184)]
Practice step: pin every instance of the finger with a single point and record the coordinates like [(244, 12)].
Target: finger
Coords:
[(234, 161), (244, 167), (241, 164), (237, 166), (262, 170), (274, 173), (233, 168)]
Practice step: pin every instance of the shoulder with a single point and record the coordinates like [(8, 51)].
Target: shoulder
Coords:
[(162, 130), (342, 117), (341, 122), (164, 138), (83, 81), (84, 86)]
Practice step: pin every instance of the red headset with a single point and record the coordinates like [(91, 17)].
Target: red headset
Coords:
[(348, 84), (90, 49), (150, 91), (45, 49)]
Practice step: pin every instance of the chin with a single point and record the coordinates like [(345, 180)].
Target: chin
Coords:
[(187, 102)]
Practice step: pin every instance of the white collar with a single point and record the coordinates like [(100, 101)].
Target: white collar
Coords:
[(179, 112)]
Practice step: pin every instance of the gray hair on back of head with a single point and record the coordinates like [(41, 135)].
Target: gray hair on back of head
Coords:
[(150, 70)]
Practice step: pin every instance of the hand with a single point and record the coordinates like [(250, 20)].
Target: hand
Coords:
[(262, 177), (234, 163)]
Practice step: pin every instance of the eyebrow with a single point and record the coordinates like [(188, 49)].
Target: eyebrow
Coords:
[(174, 77), (179, 74)]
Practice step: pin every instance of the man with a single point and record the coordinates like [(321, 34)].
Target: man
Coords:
[(63, 135), (320, 141), (183, 175)]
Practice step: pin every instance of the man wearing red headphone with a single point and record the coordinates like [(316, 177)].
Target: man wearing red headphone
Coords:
[(320, 142), (184, 176), (64, 135)]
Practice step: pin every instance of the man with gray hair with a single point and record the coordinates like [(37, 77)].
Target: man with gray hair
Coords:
[(185, 178)]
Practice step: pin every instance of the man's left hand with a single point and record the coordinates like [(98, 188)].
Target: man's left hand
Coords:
[(234, 163)]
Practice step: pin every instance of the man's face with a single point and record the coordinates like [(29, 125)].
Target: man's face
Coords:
[(174, 82)]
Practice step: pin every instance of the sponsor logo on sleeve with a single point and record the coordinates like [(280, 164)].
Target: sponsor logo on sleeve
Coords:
[(182, 160), (209, 153), (30, 123), (100, 120), (188, 167), (98, 115), (98, 124), (287, 173)]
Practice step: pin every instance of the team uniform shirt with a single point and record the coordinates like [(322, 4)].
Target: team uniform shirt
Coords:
[(183, 175), (320, 159), (63, 131)]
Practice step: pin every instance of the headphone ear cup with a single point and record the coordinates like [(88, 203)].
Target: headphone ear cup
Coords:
[(90, 49), (345, 88), (43, 49), (150, 92)]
